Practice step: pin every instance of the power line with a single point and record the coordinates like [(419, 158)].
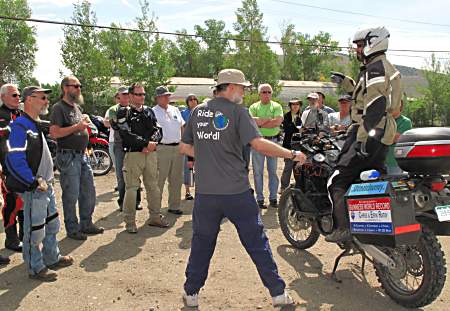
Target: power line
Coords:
[(35, 20), (360, 13)]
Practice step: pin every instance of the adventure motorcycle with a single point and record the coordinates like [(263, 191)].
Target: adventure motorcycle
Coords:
[(394, 220)]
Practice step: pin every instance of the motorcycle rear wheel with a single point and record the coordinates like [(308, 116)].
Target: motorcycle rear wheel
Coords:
[(298, 230), (101, 162), (420, 274)]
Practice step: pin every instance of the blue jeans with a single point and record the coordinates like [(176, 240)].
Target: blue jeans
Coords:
[(258, 175), (41, 224), (242, 210), (187, 178), (77, 185), (111, 152), (119, 155)]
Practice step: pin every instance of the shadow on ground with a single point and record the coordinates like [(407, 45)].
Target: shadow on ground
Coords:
[(319, 290)]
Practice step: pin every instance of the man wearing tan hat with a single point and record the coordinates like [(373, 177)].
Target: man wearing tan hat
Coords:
[(216, 134), (314, 117), (170, 162)]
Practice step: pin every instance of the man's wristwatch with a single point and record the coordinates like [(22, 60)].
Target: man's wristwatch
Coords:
[(295, 153)]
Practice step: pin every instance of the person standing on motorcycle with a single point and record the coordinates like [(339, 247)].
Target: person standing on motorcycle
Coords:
[(12, 209), (376, 94)]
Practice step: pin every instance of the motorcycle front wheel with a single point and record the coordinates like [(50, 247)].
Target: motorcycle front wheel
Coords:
[(419, 275), (300, 231), (101, 162)]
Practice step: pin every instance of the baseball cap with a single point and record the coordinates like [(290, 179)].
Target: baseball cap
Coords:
[(29, 90), (162, 90), (232, 76), (122, 90), (313, 96), (345, 97)]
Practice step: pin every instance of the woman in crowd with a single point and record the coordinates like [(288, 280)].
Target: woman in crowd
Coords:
[(191, 103), (291, 123)]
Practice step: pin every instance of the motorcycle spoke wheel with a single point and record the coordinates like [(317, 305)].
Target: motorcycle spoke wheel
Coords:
[(298, 230), (419, 274), (100, 161)]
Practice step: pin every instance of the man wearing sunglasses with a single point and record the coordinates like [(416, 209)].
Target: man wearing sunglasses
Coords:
[(69, 127), (30, 164), (12, 209), (268, 116), (140, 135)]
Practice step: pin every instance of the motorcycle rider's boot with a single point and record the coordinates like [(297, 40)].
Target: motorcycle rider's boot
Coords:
[(12, 241), (339, 235)]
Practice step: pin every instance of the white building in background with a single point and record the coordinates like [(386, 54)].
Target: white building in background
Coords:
[(289, 89)]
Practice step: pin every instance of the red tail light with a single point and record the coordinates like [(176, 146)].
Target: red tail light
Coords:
[(430, 151), (438, 186)]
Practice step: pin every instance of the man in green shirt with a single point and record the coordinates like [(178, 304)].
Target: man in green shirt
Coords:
[(403, 124), (268, 116)]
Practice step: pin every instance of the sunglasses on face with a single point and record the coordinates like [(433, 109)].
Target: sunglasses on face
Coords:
[(43, 97), (77, 86), (139, 94), (15, 95), (266, 92)]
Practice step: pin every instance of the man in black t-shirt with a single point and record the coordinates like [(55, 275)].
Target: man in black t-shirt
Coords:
[(69, 128)]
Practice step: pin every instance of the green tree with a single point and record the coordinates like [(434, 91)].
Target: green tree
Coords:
[(437, 93), (17, 43), (82, 55), (215, 38), (186, 54), (307, 58), (145, 55), (255, 58)]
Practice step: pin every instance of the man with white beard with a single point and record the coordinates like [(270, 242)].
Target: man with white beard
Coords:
[(216, 134), (69, 127), (30, 168)]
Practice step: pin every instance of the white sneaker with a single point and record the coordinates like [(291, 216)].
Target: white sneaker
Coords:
[(191, 300), (282, 300)]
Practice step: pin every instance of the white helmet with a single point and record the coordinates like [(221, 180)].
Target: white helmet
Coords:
[(376, 39)]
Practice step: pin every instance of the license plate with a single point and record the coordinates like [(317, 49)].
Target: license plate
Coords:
[(443, 212)]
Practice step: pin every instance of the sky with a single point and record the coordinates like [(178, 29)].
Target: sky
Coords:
[(408, 22)]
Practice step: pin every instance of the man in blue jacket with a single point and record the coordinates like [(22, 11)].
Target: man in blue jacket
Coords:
[(30, 168)]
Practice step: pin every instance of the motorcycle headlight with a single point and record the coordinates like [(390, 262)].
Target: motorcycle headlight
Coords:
[(319, 157)]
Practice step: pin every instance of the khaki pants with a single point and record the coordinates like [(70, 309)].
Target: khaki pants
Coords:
[(170, 166), (135, 165)]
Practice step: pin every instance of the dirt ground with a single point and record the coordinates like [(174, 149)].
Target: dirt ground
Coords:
[(119, 271)]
